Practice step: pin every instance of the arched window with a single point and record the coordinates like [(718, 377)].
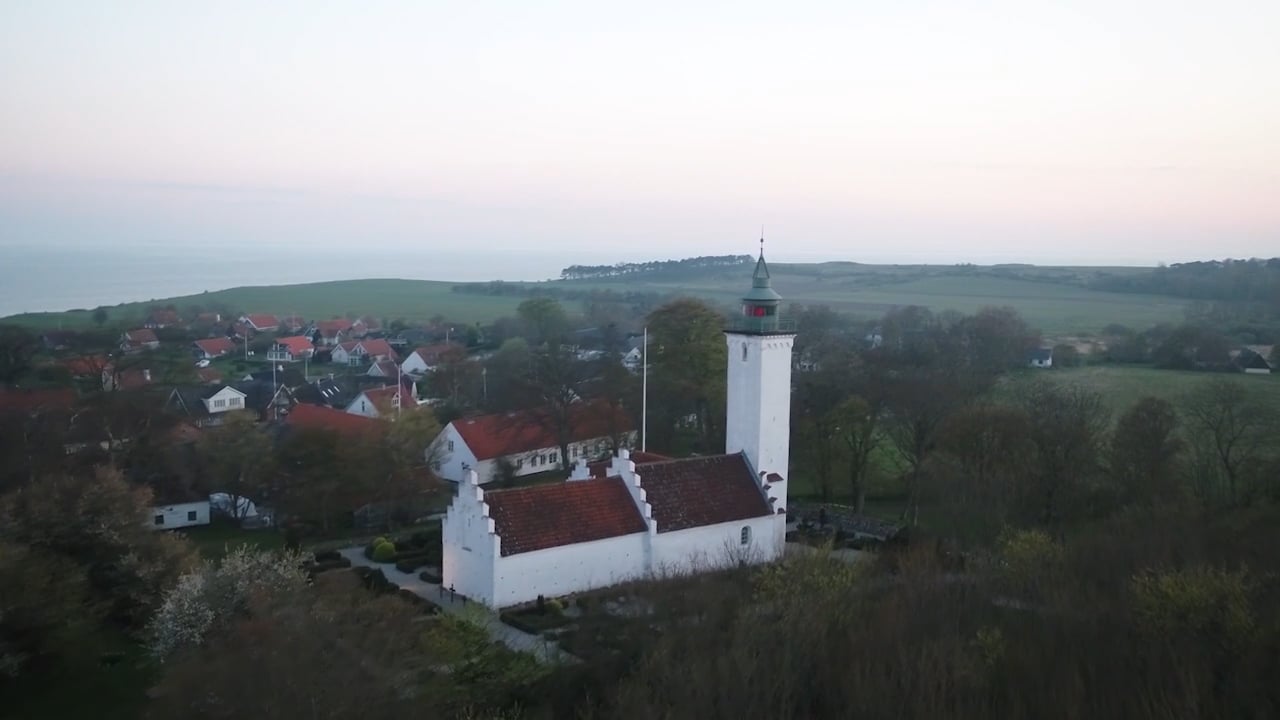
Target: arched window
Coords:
[(746, 534), (744, 352)]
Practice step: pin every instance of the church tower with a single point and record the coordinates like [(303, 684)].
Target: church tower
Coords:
[(759, 383)]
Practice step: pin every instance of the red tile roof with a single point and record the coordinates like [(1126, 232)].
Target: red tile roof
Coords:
[(386, 368), (692, 492), (600, 468), (29, 401), (547, 516), (297, 344), (132, 378), (431, 354), (263, 321), (86, 365), (375, 346), (329, 328), (163, 317), (216, 346), (139, 337), (316, 417), (209, 375), (383, 399), (491, 436)]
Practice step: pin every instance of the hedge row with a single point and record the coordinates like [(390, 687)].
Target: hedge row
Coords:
[(431, 576), (322, 566)]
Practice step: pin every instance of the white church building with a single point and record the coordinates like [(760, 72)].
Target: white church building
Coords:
[(643, 517)]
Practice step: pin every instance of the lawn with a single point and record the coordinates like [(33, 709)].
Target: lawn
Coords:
[(214, 540), (1122, 385)]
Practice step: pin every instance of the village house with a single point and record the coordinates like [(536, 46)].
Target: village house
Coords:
[(316, 417), (425, 359), (524, 443), (136, 341), (211, 348), (1256, 359), (292, 324), (125, 378), (384, 369), (206, 406), (642, 519), (172, 509), (331, 332), (387, 401), (261, 323), (291, 349), (364, 326), (1040, 358), (355, 353)]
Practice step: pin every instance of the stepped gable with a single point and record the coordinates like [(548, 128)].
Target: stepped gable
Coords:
[(547, 516), (693, 492)]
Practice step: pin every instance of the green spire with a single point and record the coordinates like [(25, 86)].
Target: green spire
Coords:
[(762, 291)]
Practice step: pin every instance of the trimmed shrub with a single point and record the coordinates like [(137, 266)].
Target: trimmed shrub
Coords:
[(386, 552), (431, 577), (408, 566), (554, 606), (329, 556), (320, 567)]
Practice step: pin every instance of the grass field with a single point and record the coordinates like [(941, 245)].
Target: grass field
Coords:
[(1121, 385), (214, 540), (1050, 298), (412, 300)]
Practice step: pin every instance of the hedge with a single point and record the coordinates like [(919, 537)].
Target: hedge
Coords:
[(319, 567), (431, 576), (533, 622)]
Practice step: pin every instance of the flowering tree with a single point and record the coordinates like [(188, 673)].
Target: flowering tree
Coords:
[(210, 598)]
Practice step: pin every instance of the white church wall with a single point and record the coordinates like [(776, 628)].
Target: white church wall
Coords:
[(569, 568), (716, 546), (469, 545)]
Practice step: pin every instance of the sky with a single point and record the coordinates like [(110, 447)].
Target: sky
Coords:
[(1082, 132)]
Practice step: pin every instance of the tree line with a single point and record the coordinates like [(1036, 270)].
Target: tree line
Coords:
[(591, 272)]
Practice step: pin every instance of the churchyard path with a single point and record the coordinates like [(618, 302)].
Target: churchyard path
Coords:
[(543, 649)]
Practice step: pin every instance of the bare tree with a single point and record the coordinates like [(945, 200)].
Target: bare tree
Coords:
[(1233, 427)]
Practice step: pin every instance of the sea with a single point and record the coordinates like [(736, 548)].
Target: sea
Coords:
[(57, 278)]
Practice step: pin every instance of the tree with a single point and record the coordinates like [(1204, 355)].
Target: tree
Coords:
[(102, 524), (100, 316), (239, 459), (543, 319), (997, 340), (17, 346), (207, 600), (316, 485), (1143, 456), (687, 357), (857, 424), (990, 447), (44, 607), (918, 400), (1233, 430), (556, 386), (1065, 355), (1066, 425)]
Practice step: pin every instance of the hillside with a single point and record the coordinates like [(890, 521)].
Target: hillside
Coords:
[(1055, 299)]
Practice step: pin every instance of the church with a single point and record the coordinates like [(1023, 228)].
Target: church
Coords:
[(640, 515)]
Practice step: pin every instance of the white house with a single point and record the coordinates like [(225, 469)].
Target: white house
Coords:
[(291, 349), (638, 519), (179, 515), (426, 358), (205, 405), (385, 402), (363, 352), (526, 442), (1040, 358)]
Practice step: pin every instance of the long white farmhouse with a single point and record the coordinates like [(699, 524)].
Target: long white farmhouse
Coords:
[(526, 442), (640, 517)]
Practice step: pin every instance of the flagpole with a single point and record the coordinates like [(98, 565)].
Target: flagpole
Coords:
[(644, 394)]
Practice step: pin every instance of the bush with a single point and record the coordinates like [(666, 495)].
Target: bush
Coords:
[(431, 577), (409, 565), (554, 606), (386, 552), (329, 556)]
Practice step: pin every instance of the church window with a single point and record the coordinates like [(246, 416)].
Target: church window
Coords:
[(450, 446), (744, 352), (746, 535)]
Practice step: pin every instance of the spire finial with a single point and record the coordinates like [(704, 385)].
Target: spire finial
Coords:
[(761, 241)]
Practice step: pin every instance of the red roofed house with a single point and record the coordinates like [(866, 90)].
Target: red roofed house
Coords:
[(157, 319), (332, 332), (425, 359), (385, 402), (211, 348), (261, 323), (646, 516), (291, 349), (526, 441), (134, 341), (365, 325), (30, 402), (318, 417), (362, 352)]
